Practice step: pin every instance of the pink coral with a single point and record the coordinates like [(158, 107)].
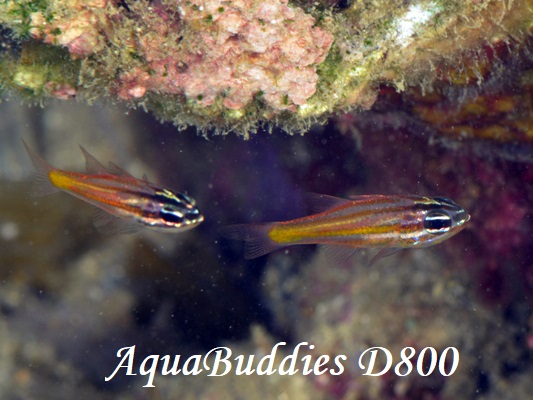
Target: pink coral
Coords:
[(79, 30), (214, 52), (233, 51), (207, 50), (61, 91)]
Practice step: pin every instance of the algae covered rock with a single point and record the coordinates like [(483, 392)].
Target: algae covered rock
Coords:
[(240, 64)]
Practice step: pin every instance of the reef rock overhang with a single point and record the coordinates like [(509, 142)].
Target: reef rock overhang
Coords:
[(233, 65)]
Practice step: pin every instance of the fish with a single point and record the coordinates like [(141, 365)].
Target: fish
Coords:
[(386, 222), (126, 204)]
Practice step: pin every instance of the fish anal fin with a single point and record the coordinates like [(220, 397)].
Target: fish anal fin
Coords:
[(109, 224), (339, 254), (317, 203), (116, 170), (42, 186), (255, 236), (384, 252), (92, 165)]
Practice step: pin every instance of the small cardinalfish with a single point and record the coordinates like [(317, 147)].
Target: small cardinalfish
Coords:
[(127, 204), (390, 223)]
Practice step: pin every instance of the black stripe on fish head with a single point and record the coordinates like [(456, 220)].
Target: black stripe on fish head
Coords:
[(177, 209), (445, 200), (166, 196), (428, 204)]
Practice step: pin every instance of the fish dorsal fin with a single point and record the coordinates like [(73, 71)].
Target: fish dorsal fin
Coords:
[(116, 170), (92, 165), (317, 203)]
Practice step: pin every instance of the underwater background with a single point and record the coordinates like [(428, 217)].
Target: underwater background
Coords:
[(70, 297)]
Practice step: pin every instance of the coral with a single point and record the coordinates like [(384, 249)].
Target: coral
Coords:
[(402, 302), (238, 64), (41, 71), (499, 111), (240, 50), (76, 26)]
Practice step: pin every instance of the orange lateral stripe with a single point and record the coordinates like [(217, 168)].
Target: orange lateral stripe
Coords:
[(73, 183)]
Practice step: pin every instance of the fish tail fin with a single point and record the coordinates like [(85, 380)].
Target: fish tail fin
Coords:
[(257, 242), (42, 185)]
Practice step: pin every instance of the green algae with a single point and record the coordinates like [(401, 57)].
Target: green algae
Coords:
[(31, 71)]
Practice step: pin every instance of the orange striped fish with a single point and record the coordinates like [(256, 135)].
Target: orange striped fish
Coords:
[(128, 203), (371, 221)]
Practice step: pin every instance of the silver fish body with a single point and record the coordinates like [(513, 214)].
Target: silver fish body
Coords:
[(127, 204), (387, 222)]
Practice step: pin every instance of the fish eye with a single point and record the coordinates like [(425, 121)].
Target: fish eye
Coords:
[(437, 222)]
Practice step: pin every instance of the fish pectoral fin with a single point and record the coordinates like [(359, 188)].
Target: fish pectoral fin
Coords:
[(339, 254), (92, 165), (384, 252), (116, 170), (317, 203), (109, 224)]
